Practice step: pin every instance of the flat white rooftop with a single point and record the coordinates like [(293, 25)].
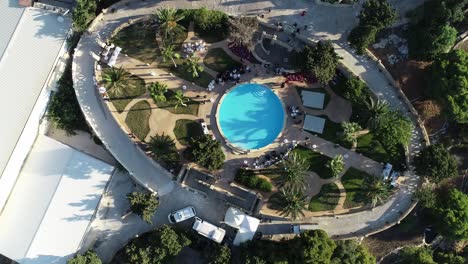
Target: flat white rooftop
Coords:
[(24, 67), (313, 99), (52, 204), (314, 124)]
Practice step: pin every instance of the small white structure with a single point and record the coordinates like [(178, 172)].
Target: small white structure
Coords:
[(209, 230), (246, 225), (314, 124), (313, 99), (386, 171)]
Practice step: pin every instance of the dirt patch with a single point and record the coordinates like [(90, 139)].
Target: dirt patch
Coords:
[(430, 112)]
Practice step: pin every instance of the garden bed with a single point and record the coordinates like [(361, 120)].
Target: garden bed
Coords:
[(353, 181), (180, 71), (138, 119), (185, 130), (326, 199), (218, 60), (135, 88), (170, 105), (316, 161)]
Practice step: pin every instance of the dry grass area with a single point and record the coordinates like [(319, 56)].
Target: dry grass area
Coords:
[(412, 78)]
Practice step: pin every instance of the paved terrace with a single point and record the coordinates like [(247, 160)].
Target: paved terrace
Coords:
[(149, 174)]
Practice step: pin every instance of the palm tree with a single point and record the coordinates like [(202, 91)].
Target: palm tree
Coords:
[(163, 146), (350, 131), (116, 79), (294, 171), (292, 202), (157, 91), (180, 99), (168, 53), (377, 190), (336, 165), (376, 108), (168, 19), (193, 67)]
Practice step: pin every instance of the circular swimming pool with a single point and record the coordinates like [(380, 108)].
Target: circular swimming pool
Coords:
[(250, 116)]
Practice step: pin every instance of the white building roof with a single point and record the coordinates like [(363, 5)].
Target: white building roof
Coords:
[(10, 15), (33, 46), (246, 225), (52, 204)]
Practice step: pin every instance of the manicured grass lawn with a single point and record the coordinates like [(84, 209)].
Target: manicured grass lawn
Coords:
[(218, 60), (186, 129), (138, 119), (371, 148), (138, 41), (316, 90), (135, 88), (202, 80), (212, 36), (326, 199), (169, 105), (353, 183), (316, 160)]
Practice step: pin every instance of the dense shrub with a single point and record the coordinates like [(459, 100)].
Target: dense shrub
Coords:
[(249, 179), (207, 152), (207, 20), (361, 37)]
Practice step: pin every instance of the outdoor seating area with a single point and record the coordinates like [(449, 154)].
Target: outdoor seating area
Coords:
[(190, 48)]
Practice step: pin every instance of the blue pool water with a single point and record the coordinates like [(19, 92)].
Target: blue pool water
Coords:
[(251, 116)]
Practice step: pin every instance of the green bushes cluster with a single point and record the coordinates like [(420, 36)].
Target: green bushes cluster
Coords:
[(249, 179)]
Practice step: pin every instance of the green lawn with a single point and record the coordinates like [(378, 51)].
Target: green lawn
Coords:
[(355, 194), (316, 160), (135, 88), (169, 105), (186, 129), (202, 80), (316, 90), (373, 149), (138, 41), (138, 119), (218, 60), (326, 199), (212, 36)]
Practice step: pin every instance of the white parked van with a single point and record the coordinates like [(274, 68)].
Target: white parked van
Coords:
[(209, 230), (181, 215)]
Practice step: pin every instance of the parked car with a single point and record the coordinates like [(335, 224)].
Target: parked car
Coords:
[(181, 215)]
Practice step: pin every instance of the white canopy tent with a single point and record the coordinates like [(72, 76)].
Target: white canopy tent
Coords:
[(246, 225)]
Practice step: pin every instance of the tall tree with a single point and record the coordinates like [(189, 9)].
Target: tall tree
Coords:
[(350, 131), (316, 247), (192, 65), (143, 204), (242, 30), (436, 163), (164, 148), (413, 255), (90, 257), (452, 215), (157, 91), (168, 53), (294, 171), (180, 99), (292, 202), (116, 79), (450, 84), (376, 190), (351, 252), (83, 13), (392, 128), (169, 26), (361, 37), (427, 43), (377, 13), (336, 165), (322, 60), (207, 152)]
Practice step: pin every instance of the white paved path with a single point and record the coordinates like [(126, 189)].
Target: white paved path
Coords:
[(323, 22)]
